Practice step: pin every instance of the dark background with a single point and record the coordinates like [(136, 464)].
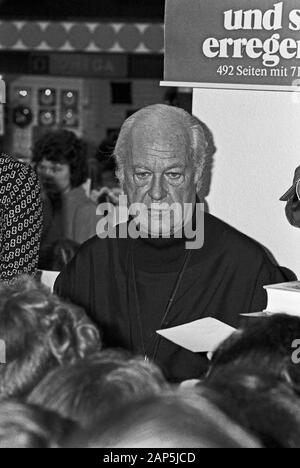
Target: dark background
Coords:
[(86, 9)]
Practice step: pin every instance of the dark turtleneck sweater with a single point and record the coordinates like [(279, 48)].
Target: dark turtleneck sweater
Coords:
[(223, 279), (156, 266)]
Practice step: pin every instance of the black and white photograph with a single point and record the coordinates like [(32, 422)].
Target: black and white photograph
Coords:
[(149, 227)]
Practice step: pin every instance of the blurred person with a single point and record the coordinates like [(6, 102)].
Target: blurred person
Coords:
[(108, 169), (61, 161), (258, 402), (107, 188), (264, 346), (56, 256), (108, 174), (106, 148), (132, 287), (40, 332), (27, 426), (88, 389), (170, 420), (20, 219)]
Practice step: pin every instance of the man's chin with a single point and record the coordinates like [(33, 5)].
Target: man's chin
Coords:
[(157, 230)]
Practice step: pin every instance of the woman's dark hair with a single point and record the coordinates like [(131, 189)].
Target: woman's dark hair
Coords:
[(258, 402), (64, 147), (264, 345)]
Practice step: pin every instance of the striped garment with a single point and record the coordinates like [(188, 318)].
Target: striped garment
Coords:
[(20, 219)]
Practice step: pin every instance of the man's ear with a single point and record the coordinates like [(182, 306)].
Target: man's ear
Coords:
[(60, 341)]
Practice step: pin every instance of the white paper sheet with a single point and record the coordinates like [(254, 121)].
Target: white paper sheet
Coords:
[(201, 336), (263, 314), (48, 278)]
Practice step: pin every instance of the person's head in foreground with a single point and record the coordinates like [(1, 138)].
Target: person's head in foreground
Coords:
[(39, 332), (61, 161), (160, 155), (169, 420), (265, 345), (88, 389), (258, 402), (26, 426)]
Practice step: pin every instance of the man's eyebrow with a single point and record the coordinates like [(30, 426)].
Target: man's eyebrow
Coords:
[(176, 166), (173, 166)]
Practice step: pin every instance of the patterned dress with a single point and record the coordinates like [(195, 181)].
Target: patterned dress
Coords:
[(20, 219)]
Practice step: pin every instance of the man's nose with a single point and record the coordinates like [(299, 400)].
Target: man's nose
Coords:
[(157, 191)]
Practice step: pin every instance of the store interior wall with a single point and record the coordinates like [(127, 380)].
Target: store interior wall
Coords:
[(98, 114), (258, 148)]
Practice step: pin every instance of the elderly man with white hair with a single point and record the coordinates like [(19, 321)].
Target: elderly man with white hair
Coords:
[(133, 285)]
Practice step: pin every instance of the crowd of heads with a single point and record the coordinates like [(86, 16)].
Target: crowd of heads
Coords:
[(60, 387)]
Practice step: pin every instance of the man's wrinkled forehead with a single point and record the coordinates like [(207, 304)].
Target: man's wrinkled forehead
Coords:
[(157, 135)]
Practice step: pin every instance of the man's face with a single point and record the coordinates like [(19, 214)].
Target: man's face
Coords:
[(55, 177), (159, 173)]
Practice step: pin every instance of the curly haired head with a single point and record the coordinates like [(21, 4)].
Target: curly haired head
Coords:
[(26, 426), (63, 147), (40, 332)]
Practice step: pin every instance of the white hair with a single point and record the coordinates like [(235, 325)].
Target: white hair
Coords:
[(198, 139)]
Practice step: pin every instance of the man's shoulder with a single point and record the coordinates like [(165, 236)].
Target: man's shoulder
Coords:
[(234, 241), (98, 244), (95, 259)]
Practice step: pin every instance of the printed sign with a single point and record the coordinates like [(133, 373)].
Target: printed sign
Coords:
[(233, 43), (89, 65)]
